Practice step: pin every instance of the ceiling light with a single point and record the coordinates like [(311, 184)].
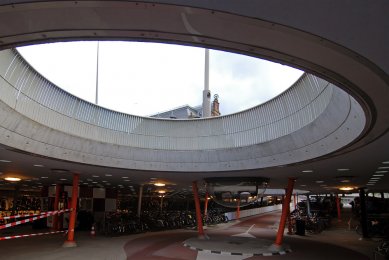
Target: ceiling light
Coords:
[(370, 184), (124, 177), (59, 170), (381, 171), (375, 178), (104, 181), (344, 181), (346, 188), (126, 180), (95, 176), (108, 175), (13, 179), (159, 184), (306, 171), (44, 177), (153, 178), (161, 192), (94, 182), (378, 175), (319, 181), (5, 161), (303, 185), (38, 165), (342, 170), (383, 167), (386, 162), (63, 179)]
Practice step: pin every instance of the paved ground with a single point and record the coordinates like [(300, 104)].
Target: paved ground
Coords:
[(336, 243)]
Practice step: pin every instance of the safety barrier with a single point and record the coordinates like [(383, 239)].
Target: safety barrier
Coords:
[(43, 215), (30, 218), (31, 235)]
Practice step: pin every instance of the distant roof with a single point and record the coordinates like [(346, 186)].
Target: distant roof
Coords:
[(182, 112)]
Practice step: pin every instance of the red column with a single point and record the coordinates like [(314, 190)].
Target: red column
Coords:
[(72, 222), (338, 207), (56, 202), (206, 204), (285, 205), (198, 211)]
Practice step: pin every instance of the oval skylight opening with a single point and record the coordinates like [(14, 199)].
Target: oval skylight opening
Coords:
[(149, 78)]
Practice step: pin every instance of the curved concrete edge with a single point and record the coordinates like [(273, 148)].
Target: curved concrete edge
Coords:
[(246, 246), (309, 142)]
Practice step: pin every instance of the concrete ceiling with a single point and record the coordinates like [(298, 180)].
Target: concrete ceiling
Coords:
[(347, 47)]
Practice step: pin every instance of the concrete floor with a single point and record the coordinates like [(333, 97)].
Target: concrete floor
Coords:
[(336, 243)]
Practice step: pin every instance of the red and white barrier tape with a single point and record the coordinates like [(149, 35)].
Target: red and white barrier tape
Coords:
[(20, 216), (32, 215), (44, 215), (31, 235)]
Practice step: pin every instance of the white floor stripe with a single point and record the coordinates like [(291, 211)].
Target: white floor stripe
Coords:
[(207, 256)]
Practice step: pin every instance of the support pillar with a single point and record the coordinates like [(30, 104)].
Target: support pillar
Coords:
[(338, 207), (140, 201), (308, 202), (199, 220), (290, 232), (56, 202), (73, 214), (206, 205), (162, 202), (363, 212), (285, 205), (295, 201), (238, 210)]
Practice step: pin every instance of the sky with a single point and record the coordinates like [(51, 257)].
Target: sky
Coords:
[(147, 78)]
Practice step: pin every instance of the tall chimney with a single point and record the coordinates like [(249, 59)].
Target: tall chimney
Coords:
[(206, 91)]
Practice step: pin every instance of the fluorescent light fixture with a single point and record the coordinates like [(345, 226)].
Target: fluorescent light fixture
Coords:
[(383, 167), (44, 177), (342, 170), (108, 175), (95, 176), (13, 179), (307, 171), (378, 175), (159, 184), (370, 184), (124, 177), (381, 171), (319, 181), (375, 178), (38, 165), (63, 179), (5, 161), (386, 162)]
